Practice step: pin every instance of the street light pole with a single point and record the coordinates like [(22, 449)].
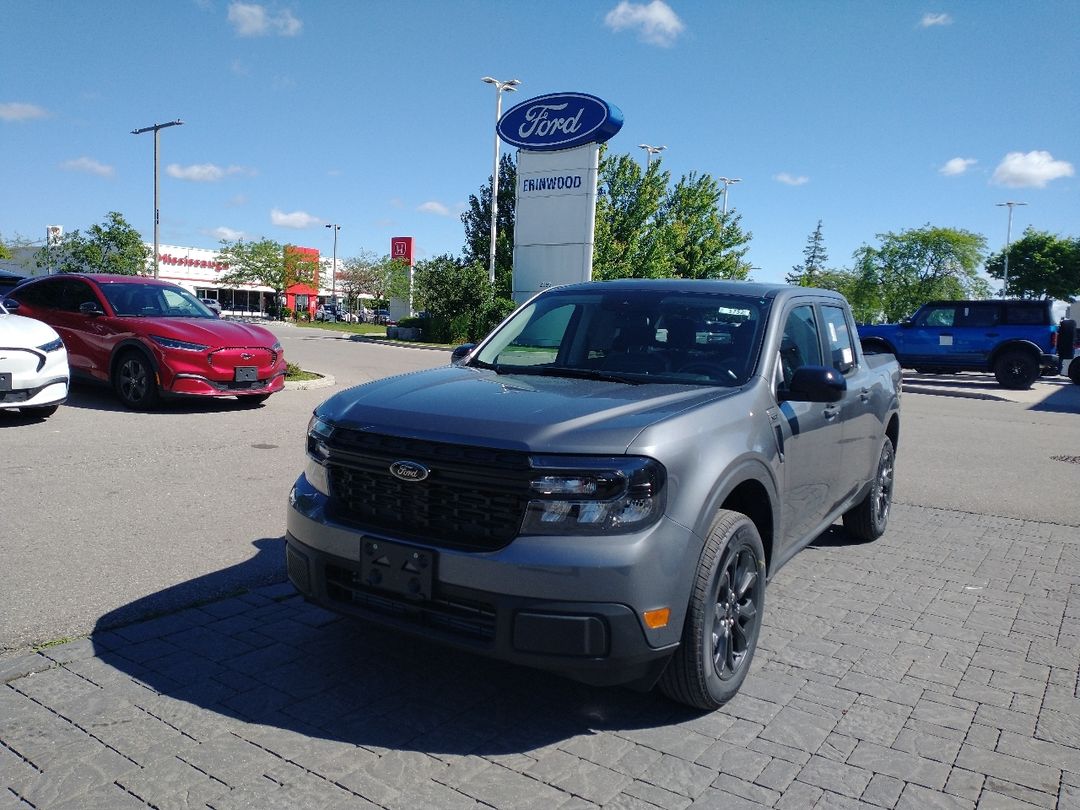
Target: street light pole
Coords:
[(1008, 239), (500, 88), (156, 129), (649, 152), (727, 181), (333, 267)]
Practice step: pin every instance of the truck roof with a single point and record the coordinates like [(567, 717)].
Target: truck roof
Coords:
[(729, 287)]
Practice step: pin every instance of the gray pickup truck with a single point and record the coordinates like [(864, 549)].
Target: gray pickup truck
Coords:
[(602, 487)]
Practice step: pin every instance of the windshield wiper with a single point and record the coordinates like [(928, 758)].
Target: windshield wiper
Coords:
[(578, 373)]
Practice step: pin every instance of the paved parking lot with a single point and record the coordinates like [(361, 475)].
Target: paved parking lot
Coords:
[(936, 667)]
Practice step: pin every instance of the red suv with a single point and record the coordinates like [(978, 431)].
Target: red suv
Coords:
[(149, 338)]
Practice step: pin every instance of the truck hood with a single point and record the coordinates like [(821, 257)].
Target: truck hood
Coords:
[(462, 405)]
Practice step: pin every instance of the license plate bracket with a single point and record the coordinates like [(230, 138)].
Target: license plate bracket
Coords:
[(396, 568), (5, 381), (246, 374)]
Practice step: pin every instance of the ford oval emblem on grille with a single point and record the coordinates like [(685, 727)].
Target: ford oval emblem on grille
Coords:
[(409, 471)]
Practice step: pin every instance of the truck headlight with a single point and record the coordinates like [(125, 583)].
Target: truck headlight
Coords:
[(316, 472), (594, 496)]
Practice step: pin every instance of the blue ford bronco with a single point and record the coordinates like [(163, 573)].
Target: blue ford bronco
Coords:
[(1014, 339)]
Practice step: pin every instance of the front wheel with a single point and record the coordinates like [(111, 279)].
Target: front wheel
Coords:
[(135, 381), (723, 619), (1074, 371), (867, 520), (1016, 370)]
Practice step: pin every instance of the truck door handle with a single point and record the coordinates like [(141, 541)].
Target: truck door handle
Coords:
[(831, 412), (864, 395)]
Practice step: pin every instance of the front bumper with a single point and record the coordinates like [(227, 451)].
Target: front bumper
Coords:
[(38, 393), (200, 386), (571, 605)]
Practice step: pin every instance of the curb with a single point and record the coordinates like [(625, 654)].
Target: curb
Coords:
[(401, 344), (915, 388), (325, 381)]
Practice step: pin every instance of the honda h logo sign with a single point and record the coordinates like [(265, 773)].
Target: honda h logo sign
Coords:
[(559, 121)]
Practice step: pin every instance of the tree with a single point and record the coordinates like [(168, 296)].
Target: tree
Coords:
[(112, 247), (357, 277), (915, 266), (814, 261), (1041, 265), (702, 242), (266, 263), (626, 245), (388, 278), (460, 302), (477, 222)]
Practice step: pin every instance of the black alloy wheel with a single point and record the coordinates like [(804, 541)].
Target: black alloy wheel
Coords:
[(135, 381), (1016, 370), (869, 519), (723, 618)]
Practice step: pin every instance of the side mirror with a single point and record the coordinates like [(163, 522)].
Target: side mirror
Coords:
[(90, 308), (460, 353), (907, 323), (815, 384)]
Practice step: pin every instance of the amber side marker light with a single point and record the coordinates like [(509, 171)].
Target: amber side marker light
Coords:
[(655, 619)]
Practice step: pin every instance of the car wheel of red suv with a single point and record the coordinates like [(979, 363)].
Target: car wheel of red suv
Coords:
[(134, 381)]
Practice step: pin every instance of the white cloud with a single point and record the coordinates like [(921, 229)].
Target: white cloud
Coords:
[(655, 22), (790, 179), (297, 219), (204, 172), (87, 165), (1032, 169), (226, 234), (20, 111), (957, 165), (253, 20), (928, 20), (433, 207)]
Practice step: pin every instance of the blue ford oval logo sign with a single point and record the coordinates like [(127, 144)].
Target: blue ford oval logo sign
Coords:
[(559, 121), (409, 470)]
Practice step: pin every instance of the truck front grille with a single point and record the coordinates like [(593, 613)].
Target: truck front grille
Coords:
[(472, 497)]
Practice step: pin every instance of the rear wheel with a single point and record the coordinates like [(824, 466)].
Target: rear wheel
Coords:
[(867, 520), (135, 381), (1016, 370), (1074, 371), (1066, 339), (723, 619)]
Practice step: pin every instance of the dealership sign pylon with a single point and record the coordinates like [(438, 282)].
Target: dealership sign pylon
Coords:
[(558, 138)]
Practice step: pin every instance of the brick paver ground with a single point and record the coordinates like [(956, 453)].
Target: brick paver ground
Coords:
[(935, 668)]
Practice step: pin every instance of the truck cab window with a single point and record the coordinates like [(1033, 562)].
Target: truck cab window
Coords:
[(800, 345)]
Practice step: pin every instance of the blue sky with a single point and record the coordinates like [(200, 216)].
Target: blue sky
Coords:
[(870, 116)]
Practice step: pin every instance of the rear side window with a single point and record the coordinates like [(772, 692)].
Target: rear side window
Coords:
[(841, 353), (978, 315), (1024, 313), (44, 294)]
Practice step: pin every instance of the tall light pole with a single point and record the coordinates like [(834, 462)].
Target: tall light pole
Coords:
[(1008, 238), (649, 152), (333, 267), (500, 88), (727, 181), (156, 129)]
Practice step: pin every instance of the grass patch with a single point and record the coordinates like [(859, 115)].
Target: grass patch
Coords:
[(348, 328), (293, 373)]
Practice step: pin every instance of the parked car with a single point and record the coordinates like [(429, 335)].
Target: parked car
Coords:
[(329, 312), (8, 281), (150, 339), (1016, 340), (212, 305), (33, 366), (382, 316), (602, 487)]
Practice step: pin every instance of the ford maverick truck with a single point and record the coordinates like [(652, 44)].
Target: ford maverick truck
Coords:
[(603, 486), (1015, 340)]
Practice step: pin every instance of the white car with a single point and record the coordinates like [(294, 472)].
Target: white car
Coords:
[(33, 365), (212, 305)]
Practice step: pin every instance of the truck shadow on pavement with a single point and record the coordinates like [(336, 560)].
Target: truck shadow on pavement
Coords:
[(282, 674)]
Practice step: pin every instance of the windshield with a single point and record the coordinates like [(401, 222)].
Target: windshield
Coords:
[(154, 301), (634, 336)]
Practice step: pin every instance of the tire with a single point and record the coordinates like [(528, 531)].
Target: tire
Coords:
[(723, 620), (1066, 339), (41, 411), (868, 520), (135, 382), (1074, 371), (1016, 370)]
